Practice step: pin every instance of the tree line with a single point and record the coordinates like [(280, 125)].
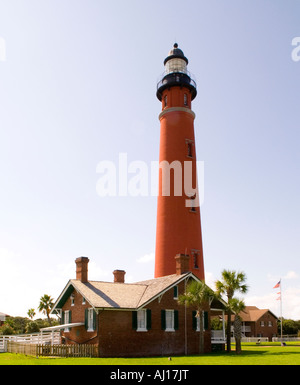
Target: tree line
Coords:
[(23, 325)]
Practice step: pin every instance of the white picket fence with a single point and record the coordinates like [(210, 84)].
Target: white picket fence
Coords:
[(286, 338), (35, 338)]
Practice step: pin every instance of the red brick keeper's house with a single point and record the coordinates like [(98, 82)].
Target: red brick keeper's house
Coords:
[(133, 319), (259, 322)]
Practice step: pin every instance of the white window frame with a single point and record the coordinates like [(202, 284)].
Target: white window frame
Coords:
[(175, 297), (67, 319), (198, 322), (90, 317), (169, 314), (142, 320)]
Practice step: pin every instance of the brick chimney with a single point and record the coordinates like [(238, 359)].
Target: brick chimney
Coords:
[(182, 263), (82, 269), (119, 276)]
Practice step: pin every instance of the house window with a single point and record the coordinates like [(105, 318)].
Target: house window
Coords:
[(72, 300), (67, 319), (270, 323), (175, 292), (83, 301), (169, 320), (262, 323), (196, 320), (141, 320), (90, 320)]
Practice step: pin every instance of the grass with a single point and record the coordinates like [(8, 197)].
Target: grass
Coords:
[(251, 355)]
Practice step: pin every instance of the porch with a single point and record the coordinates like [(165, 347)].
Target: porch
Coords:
[(218, 337)]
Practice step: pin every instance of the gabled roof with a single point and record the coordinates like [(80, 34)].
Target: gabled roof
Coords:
[(110, 295), (253, 314)]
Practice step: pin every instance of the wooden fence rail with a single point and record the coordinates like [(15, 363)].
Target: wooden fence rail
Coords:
[(53, 350), (21, 348), (67, 350)]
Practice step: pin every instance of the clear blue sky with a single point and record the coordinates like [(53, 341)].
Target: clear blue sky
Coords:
[(77, 86)]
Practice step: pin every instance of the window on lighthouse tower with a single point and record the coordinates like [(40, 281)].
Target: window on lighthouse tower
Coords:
[(190, 150), (165, 101), (185, 100), (193, 206), (195, 258)]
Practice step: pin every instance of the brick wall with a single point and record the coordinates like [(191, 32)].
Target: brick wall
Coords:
[(116, 336), (79, 334), (263, 328)]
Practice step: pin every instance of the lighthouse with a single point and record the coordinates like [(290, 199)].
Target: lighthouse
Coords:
[(178, 228)]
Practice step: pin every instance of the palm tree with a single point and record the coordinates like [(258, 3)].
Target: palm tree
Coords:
[(197, 294), (31, 313), (231, 282), (45, 306), (237, 306)]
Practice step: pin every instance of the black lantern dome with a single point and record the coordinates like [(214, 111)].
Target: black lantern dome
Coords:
[(174, 53), (176, 73)]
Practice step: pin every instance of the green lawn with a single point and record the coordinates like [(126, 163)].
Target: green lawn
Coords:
[(251, 355)]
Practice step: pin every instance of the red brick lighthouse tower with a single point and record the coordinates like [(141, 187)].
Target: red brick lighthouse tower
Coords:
[(178, 230)]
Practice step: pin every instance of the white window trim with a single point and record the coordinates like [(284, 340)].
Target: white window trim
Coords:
[(170, 328), (198, 322), (67, 319), (90, 320), (142, 318)]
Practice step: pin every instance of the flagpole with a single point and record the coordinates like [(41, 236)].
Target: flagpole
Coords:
[(279, 284), (281, 306)]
